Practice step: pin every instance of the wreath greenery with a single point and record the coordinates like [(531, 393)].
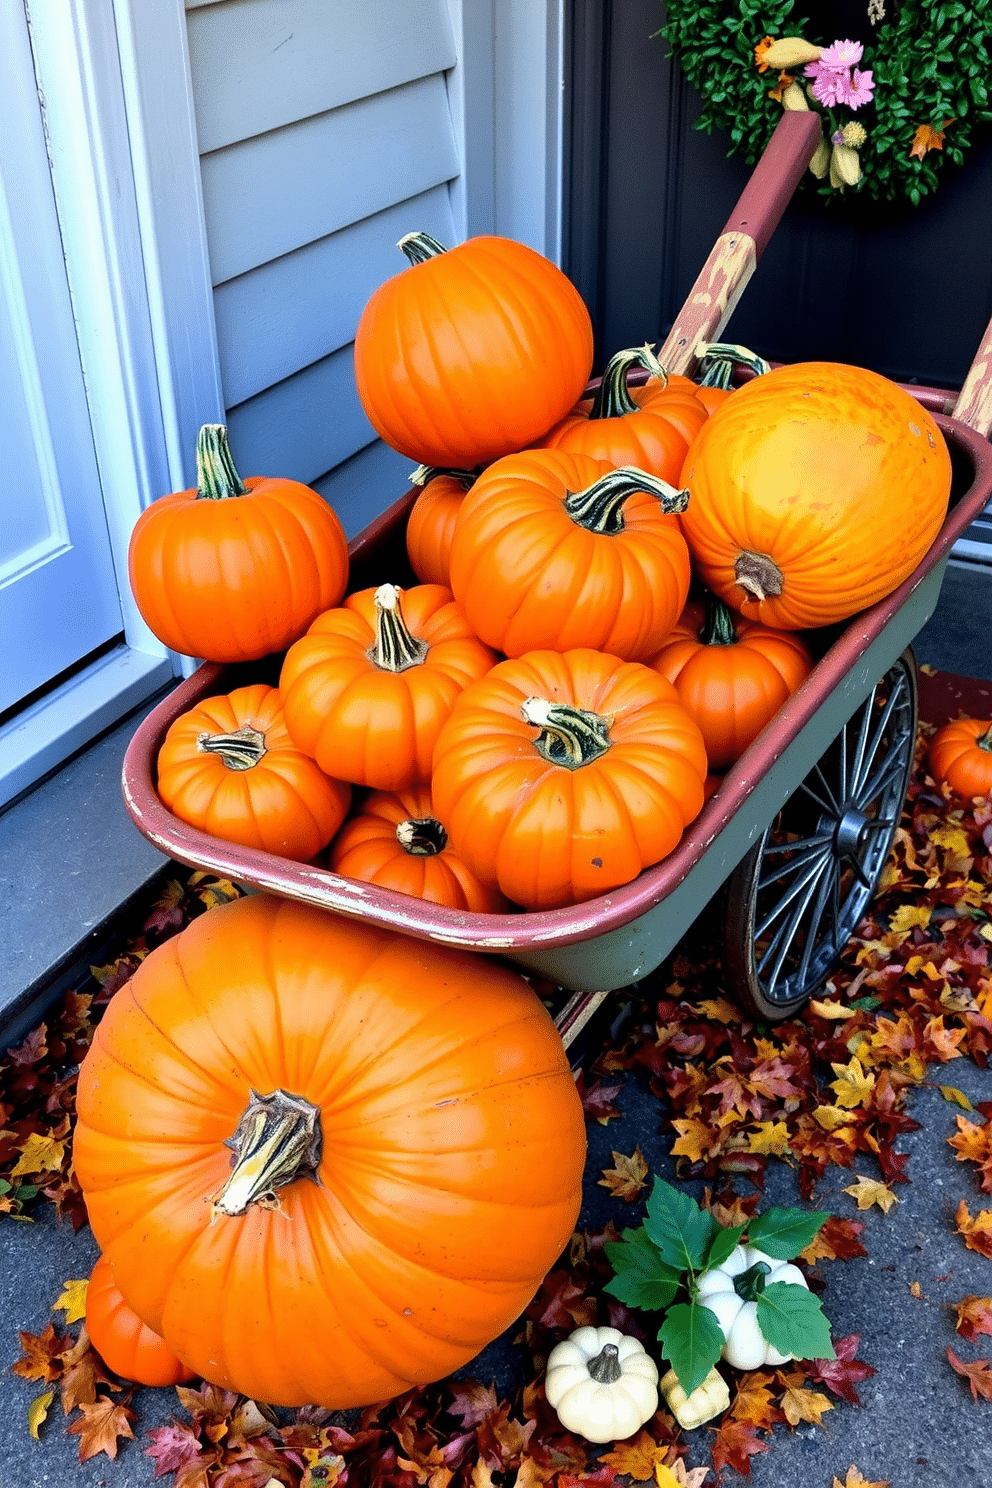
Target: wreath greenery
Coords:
[(930, 63)]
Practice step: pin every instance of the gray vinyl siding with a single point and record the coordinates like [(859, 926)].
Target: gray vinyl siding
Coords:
[(325, 134)]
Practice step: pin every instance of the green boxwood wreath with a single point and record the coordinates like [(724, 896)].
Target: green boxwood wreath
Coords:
[(931, 63)]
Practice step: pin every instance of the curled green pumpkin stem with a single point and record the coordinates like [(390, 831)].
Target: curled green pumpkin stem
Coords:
[(571, 737), (216, 476), (759, 575), (605, 1368), (613, 398), (420, 246), (394, 648), (984, 741), (277, 1140), (599, 508), (750, 1284), (719, 358), (424, 474), (718, 627), (241, 750), (422, 836)]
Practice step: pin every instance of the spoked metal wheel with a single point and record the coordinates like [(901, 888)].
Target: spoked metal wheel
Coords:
[(793, 903)]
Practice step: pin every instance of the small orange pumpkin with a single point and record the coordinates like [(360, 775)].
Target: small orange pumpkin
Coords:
[(234, 570), (431, 523), (560, 550), (471, 352), (733, 675), (123, 1341), (961, 754), (560, 776), (395, 840), (366, 690), (649, 427), (229, 767)]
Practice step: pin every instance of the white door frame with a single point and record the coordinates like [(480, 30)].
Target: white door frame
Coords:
[(114, 80)]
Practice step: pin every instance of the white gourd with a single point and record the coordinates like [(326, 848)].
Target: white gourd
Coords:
[(602, 1384)]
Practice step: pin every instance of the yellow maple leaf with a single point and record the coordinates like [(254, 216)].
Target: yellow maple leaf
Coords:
[(853, 1085), (927, 138), (908, 916), (719, 1010), (801, 1404), (629, 1175), (769, 1138), (958, 1097), (834, 1010), (73, 1300), (831, 1117), (696, 1139), (869, 1191), (855, 1480), (40, 1154)]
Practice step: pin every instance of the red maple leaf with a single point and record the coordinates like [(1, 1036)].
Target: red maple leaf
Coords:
[(734, 1444), (978, 1375), (841, 1374)]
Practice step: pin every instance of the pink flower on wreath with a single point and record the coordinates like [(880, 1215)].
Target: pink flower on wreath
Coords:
[(841, 54), (828, 85), (857, 89)]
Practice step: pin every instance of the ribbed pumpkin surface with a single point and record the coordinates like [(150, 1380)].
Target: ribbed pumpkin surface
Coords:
[(833, 473), (450, 1173)]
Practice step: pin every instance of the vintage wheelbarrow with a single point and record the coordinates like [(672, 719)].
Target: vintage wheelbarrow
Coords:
[(794, 840)]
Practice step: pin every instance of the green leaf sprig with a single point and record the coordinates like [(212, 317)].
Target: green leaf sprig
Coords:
[(677, 1243)]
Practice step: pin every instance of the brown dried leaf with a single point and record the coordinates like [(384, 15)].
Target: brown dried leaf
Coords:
[(104, 1423), (628, 1176)]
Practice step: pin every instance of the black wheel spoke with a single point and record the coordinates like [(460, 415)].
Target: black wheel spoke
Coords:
[(815, 850), (807, 875), (784, 937)]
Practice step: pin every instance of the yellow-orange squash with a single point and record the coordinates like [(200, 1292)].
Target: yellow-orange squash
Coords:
[(327, 1162), (814, 491)]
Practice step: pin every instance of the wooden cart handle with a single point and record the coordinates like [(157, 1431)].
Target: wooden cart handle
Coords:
[(734, 256), (973, 405)]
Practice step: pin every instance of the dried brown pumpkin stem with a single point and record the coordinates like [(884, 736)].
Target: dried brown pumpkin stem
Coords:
[(599, 508), (569, 736), (759, 575), (605, 1368), (394, 649), (422, 837), (216, 476), (278, 1140), (241, 750)]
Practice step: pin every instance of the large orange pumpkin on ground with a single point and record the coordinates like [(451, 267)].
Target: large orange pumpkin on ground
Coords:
[(560, 776), (232, 569), (560, 550), (328, 1163), (814, 491), (472, 352)]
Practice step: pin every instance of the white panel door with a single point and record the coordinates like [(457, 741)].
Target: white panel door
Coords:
[(58, 592)]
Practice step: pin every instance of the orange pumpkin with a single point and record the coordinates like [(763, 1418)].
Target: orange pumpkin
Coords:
[(408, 1148), (229, 767), (397, 842), (732, 675), (559, 550), (649, 427), (366, 690), (123, 1341), (234, 570), (431, 523), (472, 352), (815, 490), (961, 754), (560, 776)]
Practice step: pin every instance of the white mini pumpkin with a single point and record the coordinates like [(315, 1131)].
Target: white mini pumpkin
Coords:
[(745, 1347), (602, 1384)]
